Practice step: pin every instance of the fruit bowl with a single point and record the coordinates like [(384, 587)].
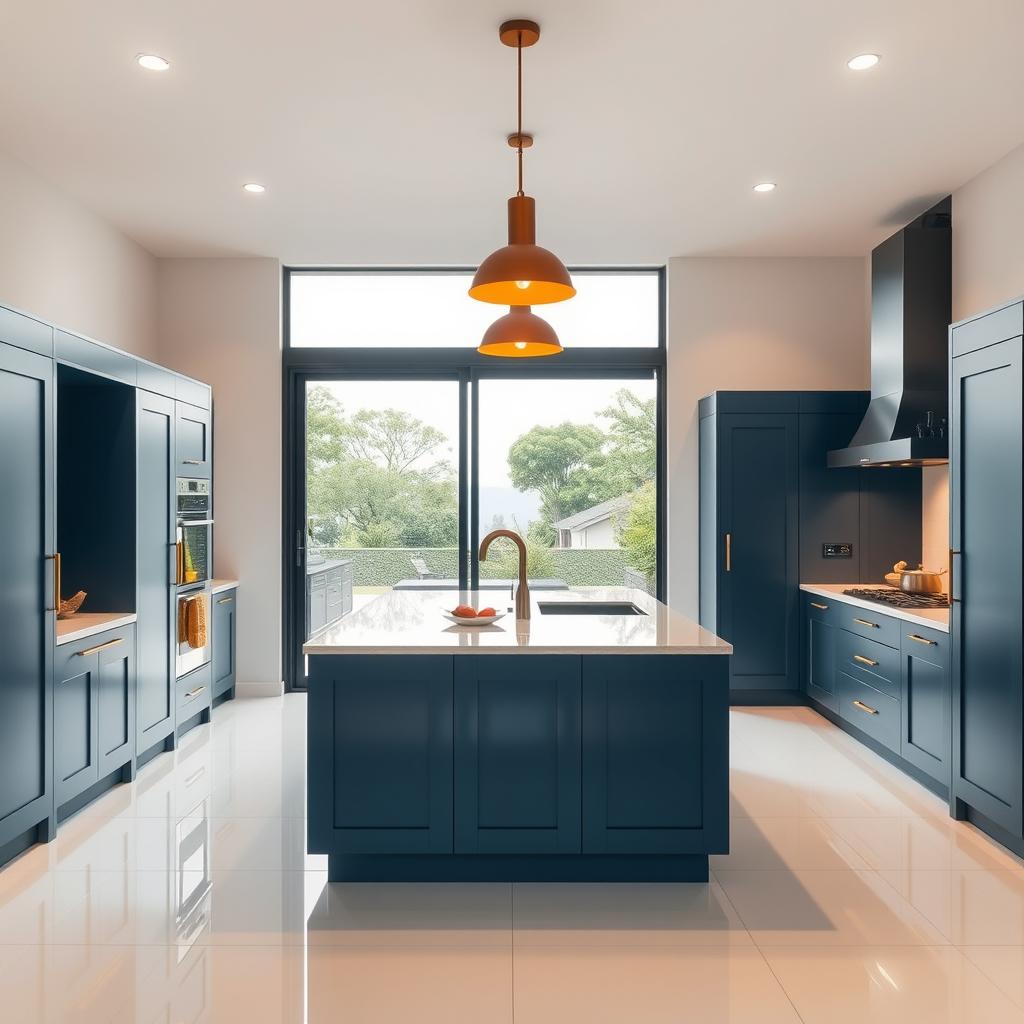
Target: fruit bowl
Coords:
[(466, 615)]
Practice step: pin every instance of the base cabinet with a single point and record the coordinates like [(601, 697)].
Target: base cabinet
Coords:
[(225, 608), (93, 710), (925, 692)]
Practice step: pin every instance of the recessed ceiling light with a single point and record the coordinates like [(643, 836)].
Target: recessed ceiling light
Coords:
[(765, 186), (151, 62), (254, 186), (862, 61)]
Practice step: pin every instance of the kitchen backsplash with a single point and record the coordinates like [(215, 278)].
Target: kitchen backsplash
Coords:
[(935, 517)]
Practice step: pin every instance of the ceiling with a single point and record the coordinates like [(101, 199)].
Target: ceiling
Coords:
[(379, 128)]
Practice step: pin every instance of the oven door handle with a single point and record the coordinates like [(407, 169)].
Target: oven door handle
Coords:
[(194, 522)]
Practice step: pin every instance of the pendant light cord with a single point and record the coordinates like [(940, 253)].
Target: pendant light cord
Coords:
[(519, 105)]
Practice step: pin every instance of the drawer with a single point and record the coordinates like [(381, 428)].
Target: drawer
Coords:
[(318, 582), (873, 663), (822, 609), (866, 622), (870, 711), (919, 641), (194, 692)]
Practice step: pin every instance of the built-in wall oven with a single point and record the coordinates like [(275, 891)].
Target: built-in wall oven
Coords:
[(194, 557)]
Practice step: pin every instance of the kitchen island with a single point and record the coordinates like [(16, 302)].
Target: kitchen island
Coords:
[(566, 746)]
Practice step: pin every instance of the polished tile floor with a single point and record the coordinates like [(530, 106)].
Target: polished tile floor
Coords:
[(849, 896)]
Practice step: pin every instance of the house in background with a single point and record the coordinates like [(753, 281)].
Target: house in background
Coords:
[(594, 527)]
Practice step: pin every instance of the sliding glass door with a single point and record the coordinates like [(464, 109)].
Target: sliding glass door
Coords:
[(404, 447)]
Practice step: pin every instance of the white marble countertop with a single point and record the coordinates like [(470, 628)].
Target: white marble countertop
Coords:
[(936, 618), (216, 586), (411, 622), (86, 624)]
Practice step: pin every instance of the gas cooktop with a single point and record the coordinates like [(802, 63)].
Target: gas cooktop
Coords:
[(898, 598)]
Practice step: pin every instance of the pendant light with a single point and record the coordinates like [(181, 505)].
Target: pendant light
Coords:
[(522, 273), (519, 333)]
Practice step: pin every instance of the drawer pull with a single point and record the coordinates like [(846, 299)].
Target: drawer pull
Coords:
[(866, 708), (728, 552), (921, 639), (193, 462), (100, 647), (820, 607), (864, 622), (195, 777), (865, 661), (225, 600), (194, 693)]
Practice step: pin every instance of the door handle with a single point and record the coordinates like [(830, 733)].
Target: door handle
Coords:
[(958, 554), (864, 622), (921, 639), (179, 563), (55, 558), (866, 708), (100, 647), (193, 462), (195, 693), (865, 661), (299, 549), (225, 600), (820, 607), (728, 552)]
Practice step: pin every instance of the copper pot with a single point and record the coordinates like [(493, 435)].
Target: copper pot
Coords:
[(919, 580)]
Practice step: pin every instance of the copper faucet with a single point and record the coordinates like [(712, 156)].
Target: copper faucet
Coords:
[(523, 590)]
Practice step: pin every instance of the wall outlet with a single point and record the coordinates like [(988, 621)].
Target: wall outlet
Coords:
[(837, 551)]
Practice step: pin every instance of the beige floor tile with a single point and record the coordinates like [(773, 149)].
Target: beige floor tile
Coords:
[(780, 843)]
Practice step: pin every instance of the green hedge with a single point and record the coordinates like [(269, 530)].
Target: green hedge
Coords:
[(384, 567)]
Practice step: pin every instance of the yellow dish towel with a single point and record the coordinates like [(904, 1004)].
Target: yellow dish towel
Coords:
[(196, 622)]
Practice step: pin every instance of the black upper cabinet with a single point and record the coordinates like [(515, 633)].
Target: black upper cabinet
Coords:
[(26, 626), (193, 441), (986, 531), (155, 537)]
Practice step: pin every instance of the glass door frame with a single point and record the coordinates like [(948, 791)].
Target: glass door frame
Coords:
[(301, 366)]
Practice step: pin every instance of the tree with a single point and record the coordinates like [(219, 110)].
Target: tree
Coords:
[(632, 451), (563, 464), (637, 534)]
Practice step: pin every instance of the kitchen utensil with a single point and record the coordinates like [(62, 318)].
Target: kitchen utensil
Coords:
[(919, 580)]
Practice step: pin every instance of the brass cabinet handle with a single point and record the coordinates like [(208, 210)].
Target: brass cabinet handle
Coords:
[(728, 552), (225, 600), (865, 661), (55, 558), (866, 708), (195, 693), (179, 563), (101, 647), (921, 639), (822, 607), (952, 552), (864, 622)]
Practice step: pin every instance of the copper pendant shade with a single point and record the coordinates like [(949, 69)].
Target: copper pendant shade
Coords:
[(522, 273), (520, 333)]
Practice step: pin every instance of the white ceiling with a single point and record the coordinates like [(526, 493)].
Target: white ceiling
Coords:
[(379, 127)]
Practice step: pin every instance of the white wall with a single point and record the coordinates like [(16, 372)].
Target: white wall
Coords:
[(750, 324), (219, 320), (60, 262)]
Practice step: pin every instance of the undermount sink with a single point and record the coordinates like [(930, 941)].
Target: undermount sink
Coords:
[(589, 608)]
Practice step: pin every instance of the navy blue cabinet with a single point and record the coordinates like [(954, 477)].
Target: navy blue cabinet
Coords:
[(27, 597), (648, 784), (156, 604), (986, 532), (820, 633), (380, 749), (224, 642), (925, 695), (193, 441), (93, 710), (517, 754)]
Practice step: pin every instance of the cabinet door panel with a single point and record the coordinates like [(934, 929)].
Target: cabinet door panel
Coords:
[(26, 627), (821, 662), (758, 604), (75, 761), (115, 705), (985, 482), (517, 755), (380, 754), (192, 441), (655, 754), (156, 601), (223, 642), (925, 701)]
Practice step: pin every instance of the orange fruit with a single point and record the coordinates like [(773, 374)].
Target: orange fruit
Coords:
[(464, 611), (486, 612)]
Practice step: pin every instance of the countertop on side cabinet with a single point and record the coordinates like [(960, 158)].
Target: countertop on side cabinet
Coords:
[(935, 618), (216, 586), (315, 568), (86, 624), (412, 622)]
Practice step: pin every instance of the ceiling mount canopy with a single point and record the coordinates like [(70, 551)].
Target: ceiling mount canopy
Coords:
[(521, 273)]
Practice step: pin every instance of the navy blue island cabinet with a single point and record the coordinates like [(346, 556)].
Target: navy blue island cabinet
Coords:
[(506, 767)]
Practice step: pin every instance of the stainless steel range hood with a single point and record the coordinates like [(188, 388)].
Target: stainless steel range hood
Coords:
[(911, 307)]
